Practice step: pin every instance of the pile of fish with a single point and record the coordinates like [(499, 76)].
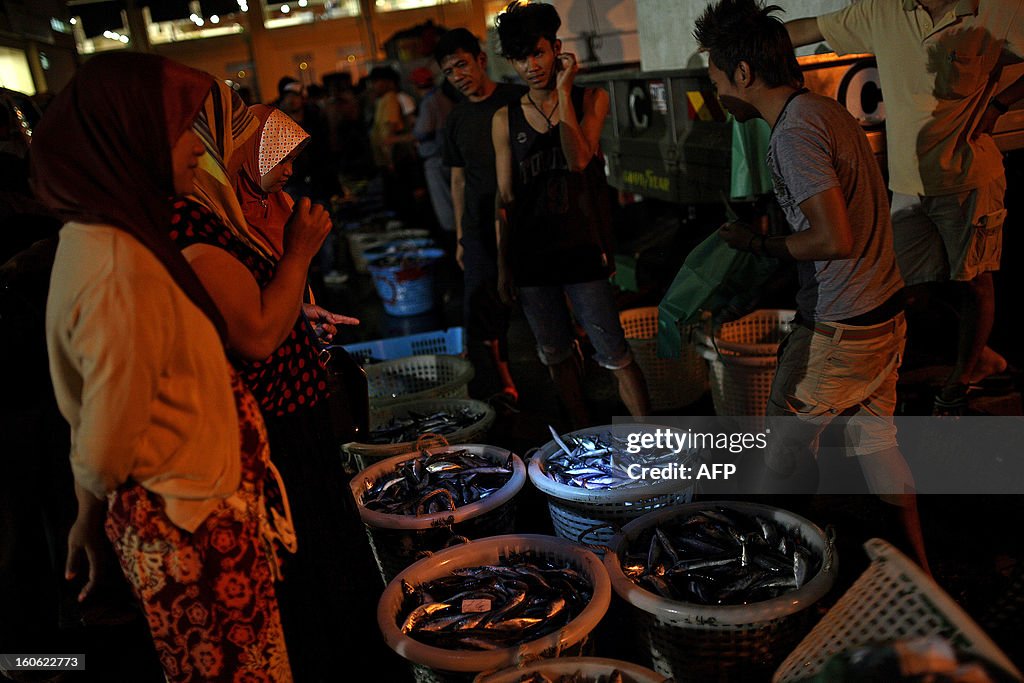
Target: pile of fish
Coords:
[(494, 606), (600, 461), (410, 427), (720, 556), (615, 676), (434, 482)]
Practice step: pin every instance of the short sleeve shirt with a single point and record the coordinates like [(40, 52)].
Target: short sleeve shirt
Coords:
[(936, 81), (468, 146), (815, 146)]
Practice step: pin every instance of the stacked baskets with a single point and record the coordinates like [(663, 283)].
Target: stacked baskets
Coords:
[(742, 359), (417, 377), (593, 516), (699, 643), (399, 540), (432, 664), (671, 382), (367, 454), (892, 599)]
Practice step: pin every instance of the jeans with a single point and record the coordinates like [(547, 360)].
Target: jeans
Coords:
[(593, 303)]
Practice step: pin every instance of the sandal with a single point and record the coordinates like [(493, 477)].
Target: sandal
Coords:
[(951, 401)]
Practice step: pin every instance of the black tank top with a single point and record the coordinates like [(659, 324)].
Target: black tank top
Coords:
[(561, 223)]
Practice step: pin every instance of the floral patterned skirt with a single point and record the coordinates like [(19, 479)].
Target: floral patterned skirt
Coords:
[(209, 595)]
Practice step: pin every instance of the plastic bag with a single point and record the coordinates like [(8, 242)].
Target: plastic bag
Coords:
[(750, 175), (712, 276)]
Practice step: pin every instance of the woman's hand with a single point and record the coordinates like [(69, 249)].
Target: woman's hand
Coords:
[(86, 542), (324, 322), (306, 229)]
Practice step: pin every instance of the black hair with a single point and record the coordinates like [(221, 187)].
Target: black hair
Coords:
[(284, 82), (522, 24), (734, 31), (455, 40), (385, 73)]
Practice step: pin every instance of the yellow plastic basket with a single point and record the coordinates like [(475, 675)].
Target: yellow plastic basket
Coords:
[(671, 382), (742, 361)]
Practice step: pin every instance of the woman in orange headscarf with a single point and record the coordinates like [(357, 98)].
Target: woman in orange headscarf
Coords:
[(255, 268), (168, 449)]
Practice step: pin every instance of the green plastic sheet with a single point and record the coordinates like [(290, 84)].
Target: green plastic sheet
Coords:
[(750, 175), (713, 275)]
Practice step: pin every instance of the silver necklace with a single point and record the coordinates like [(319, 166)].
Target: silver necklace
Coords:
[(547, 117)]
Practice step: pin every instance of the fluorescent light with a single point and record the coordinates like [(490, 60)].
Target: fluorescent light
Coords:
[(303, 3), (123, 39), (285, 9)]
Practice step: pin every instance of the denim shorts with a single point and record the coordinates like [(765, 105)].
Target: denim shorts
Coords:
[(949, 237), (820, 378), (593, 304)]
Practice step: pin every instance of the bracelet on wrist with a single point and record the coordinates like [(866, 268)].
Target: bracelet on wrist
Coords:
[(1000, 107)]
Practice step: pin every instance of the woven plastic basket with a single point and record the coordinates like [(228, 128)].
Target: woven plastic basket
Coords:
[(367, 454), (589, 669), (892, 599), (593, 516), (742, 362), (418, 377), (729, 642), (756, 334), (434, 664), (399, 540), (671, 382)]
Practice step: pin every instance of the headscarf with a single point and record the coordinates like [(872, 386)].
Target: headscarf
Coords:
[(102, 153), (278, 136), (225, 125)]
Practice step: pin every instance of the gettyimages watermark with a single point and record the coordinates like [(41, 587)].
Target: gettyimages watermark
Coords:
[(827, 455)]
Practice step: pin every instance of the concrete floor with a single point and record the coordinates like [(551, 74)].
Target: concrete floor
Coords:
[(971, 557)]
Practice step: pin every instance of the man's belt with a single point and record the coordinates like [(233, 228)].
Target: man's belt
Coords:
[(855, 333)]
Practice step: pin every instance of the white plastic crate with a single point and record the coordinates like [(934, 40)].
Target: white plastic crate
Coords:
[(892, 599), (449, 342)]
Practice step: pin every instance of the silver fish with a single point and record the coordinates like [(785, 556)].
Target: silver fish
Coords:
[(719, 556)]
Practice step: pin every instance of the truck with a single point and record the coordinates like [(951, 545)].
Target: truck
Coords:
[(667, 137)]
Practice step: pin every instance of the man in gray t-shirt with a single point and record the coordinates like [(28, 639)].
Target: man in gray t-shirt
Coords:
[(843, 356), (816, 147)]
